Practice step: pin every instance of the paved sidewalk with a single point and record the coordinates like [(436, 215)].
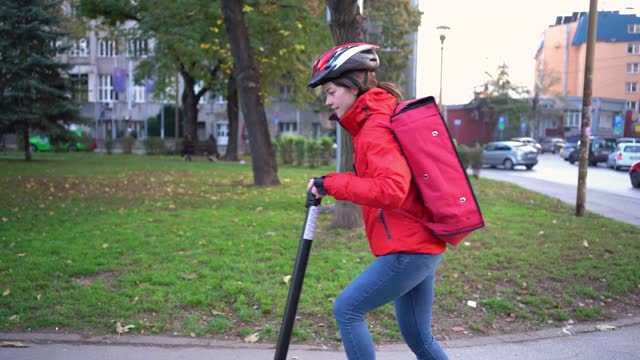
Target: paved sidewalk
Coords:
[(585, 342)]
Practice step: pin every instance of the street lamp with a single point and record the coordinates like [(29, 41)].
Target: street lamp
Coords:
[(443, 29)]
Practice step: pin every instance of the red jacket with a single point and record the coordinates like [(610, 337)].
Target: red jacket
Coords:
[(382, 181)]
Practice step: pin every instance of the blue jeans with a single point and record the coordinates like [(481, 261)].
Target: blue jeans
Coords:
[(407, 279)]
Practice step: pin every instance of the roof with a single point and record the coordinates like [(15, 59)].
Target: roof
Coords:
[(612, 27)]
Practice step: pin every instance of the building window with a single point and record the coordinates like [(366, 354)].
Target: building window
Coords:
[(633, 49), (137, 48), (222, 133), (633, 68), (107, 48), (631, 87), (634, 28), (606, 120), (630, 105), (573, 119), (105, 89), (285, 92), (138, 93), (57, 45), (80, 87), (287, 127), (79, 47)]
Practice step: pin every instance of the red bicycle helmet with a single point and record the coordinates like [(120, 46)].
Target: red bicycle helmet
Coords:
[(343, 58)]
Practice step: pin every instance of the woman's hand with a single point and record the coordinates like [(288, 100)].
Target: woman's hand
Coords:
[(316, 186)]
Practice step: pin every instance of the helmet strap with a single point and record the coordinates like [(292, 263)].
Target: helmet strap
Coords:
[(355, 82)]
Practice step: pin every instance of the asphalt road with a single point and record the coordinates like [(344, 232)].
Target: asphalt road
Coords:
[(609, 192), (616, 340)]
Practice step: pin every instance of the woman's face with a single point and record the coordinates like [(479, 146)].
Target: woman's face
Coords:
[(339, 99)]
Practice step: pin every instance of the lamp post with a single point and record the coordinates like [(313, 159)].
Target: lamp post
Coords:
[(443, 29)]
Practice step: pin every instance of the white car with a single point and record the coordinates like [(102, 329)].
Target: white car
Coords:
[(624, 155)]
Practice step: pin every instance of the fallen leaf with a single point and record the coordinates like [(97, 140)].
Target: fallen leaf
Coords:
[(540, 232), (252, 338), (21, 254), (472, 303), (585, 243), (286, 279), (104, 246), (16, 344), (123, 329), (192, 334), (457, 328), (606, 327), (6, 292), (191, 276)]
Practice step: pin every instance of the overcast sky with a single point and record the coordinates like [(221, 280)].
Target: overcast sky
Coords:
[(484, 34)]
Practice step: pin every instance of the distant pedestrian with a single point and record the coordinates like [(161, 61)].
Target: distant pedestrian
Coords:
[(212, 148), (407, 253), (188, 147)]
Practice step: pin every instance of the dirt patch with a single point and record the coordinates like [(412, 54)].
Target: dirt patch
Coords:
[(87, 280)]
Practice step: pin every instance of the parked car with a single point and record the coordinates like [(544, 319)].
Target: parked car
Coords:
[(566, 150), (509, 154), (529, 141), (552, 145), (628, 140), (634, 174), (625, 155), (42, 143), (599, 150)]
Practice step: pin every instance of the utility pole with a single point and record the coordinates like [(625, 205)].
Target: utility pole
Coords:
[(586, 108)]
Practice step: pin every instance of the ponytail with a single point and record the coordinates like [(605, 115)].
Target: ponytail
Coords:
[(392, 89), (363, 81)]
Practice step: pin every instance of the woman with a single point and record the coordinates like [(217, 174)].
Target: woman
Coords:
[(406, 252)]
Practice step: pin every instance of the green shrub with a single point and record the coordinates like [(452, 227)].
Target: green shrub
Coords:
[(463, 152), (154, 146), (326, 150), (284, 146), (127, 144), (108, 144), (299, 144), (476, 159), (87, 142), (314, 152)]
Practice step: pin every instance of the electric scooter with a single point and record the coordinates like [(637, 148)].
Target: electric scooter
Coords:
[(297, 278)]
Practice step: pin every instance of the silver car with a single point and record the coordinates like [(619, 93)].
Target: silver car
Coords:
[(509, 154), (625, 155)]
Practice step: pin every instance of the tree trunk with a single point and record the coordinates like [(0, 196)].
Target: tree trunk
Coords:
[(189, 107), (346, 21), (263, 159), (232, 114), (346, 26), (27, 146)]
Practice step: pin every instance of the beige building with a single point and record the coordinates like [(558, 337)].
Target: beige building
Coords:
[(560, 65)]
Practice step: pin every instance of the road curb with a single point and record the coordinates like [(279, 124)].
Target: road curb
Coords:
[(168, 341)]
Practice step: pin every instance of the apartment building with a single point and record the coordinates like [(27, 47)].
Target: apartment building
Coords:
[(560, 68)]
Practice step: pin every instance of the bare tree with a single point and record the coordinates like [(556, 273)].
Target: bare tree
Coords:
[(265, 168), (346, 26)]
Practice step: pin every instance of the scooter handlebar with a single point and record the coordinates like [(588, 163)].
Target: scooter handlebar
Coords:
[(312, 200)]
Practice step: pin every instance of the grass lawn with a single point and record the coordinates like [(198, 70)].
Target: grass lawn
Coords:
[(192, 249)]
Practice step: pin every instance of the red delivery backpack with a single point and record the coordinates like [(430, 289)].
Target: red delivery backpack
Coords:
[(437, 170)]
